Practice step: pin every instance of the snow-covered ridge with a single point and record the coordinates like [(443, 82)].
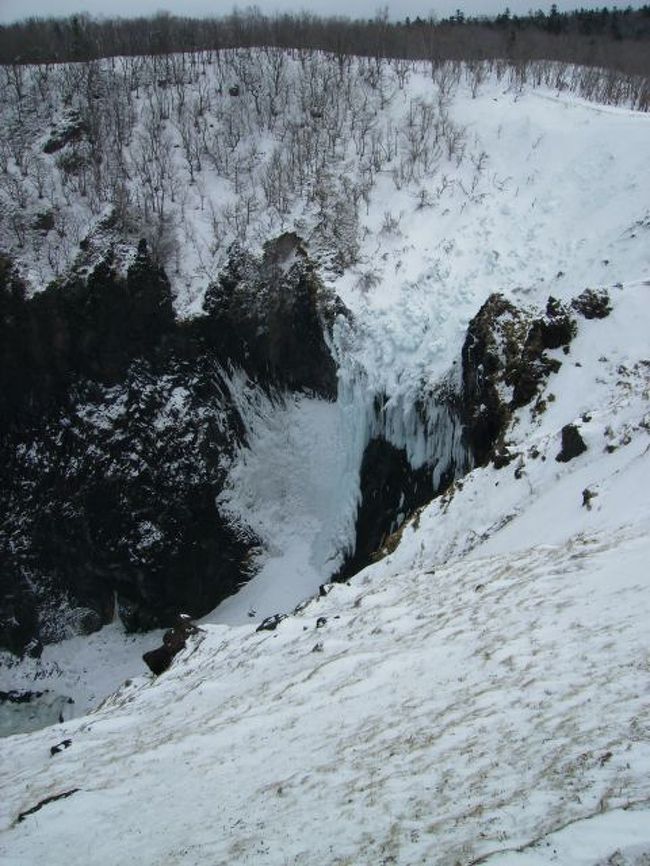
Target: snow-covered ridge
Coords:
[(196, 151)]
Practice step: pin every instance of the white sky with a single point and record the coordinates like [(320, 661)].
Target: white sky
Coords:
[(13, 10)]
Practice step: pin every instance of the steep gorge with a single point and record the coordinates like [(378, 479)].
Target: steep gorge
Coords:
[(121, 424), (116, 421)]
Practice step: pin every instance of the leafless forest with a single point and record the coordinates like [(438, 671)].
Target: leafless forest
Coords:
[(125, 127), (609, 38)]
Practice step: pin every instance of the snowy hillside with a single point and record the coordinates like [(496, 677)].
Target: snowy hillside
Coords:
[(398, 174), (481, 692)]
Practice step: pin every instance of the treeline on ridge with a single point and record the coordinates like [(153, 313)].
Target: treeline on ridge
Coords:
[(606, 38)]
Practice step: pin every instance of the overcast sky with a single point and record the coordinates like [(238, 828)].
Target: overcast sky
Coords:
[(13, 10)]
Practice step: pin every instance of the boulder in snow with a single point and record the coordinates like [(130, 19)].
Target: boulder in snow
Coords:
[(572, 444), (271, 622)]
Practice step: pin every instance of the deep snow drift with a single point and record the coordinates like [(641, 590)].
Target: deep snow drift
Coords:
[(482, 689)]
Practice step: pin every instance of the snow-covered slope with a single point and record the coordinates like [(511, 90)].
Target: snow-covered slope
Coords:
[(550, 197), (481, 694), (481, 691)]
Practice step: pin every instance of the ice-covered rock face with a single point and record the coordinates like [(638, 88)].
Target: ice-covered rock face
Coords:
[(117, 424), (147, 462), (418, 442)]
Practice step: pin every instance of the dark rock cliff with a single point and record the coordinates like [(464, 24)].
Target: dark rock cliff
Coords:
[(114, 422), (117, 420), (504, 364), (253, 305)]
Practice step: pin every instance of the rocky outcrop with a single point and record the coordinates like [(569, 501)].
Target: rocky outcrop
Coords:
[(115, 420), (174, 640), (505, 364), (271, 622), (272, 314), (492, 344), (593, 304), (573, 445), (51, 799)]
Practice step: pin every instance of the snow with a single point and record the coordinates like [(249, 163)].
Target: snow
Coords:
[(621, 837), (447, 716), (553, 211), (292, 484), (85, 669), (479, 695), (43, 709), (606, 396)]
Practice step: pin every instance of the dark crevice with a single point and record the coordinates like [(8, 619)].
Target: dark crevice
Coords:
[(390, 492)]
